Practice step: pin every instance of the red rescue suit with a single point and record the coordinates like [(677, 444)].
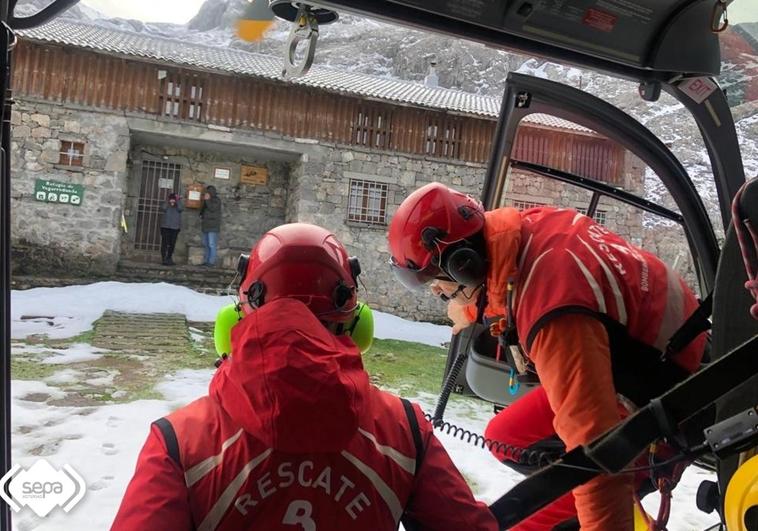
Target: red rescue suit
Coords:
[(593, 315), (292, 436)]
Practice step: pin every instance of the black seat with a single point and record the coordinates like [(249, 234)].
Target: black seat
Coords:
[(732, 322)]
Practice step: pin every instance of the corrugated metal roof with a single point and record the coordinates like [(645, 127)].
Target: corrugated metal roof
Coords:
[(232, 60)]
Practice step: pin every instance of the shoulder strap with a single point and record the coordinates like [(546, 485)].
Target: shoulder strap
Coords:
[(696, 324), (169, 436), (415, 432), (408, 523)]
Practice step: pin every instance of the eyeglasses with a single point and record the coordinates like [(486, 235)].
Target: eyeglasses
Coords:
[(453, 295), (414, 278)]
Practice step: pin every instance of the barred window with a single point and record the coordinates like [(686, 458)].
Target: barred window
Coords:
[(601, 216), (72, 153), (367, 202), (182, 97), (372, 127), (443, 137), (525, 205)]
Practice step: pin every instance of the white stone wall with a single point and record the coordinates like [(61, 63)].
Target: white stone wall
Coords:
[(66, 239)]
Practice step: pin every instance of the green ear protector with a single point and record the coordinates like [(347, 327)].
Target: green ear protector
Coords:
[(360, 329)]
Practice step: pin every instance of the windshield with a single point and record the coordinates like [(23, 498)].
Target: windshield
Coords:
[(739, 56), (127, 113)]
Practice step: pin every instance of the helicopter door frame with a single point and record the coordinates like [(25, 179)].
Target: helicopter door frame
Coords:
[(526, 95), (707, 103)]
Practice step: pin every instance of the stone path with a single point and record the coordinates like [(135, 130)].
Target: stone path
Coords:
[(138, 351), (142, 333)]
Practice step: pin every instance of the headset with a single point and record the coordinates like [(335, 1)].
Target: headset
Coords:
[(360, 329), (462, 261)]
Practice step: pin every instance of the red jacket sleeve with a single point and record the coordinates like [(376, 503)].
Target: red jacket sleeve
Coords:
[(572, 357), (157, 496), (441, 498)]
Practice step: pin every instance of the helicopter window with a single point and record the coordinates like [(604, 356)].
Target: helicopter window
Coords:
[(559, 163)]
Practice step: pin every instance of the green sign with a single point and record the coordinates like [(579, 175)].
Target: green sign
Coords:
[(58, 192)]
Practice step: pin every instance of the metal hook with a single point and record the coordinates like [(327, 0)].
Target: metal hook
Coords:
[(304, 28), (716, 26)]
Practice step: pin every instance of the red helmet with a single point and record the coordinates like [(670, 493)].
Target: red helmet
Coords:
[(430, 220), (304, 262)]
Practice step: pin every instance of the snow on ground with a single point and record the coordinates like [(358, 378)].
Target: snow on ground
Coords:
[(388, 326), (102, 442), (74, 353), (71, 310), (58, 356)]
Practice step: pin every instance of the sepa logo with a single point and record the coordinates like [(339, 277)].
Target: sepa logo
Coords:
[(42, 487)]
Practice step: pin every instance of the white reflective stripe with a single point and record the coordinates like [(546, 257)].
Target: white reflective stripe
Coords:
[(531, 272), (577, 217), (524, 252), (197, 472), (216, 514), (522, 259), (387, 494), (406, 463), (673, 315), (620, 305), (591, 281)]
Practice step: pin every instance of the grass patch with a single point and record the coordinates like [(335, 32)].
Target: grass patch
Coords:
[(84, 337), (136, 372), (401, 366), (137, 377), (397, 364), (24, 369), (45, 341)]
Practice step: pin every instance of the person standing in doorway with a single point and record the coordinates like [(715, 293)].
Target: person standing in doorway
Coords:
[(171, 224), (211, 224)]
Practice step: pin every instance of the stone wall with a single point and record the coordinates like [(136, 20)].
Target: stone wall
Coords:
[(248, 210), (525, 187), (667, 240), (324, 190), (57, 238), (309, 182)]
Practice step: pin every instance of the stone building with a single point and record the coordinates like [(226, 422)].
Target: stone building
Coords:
[(110, 122)]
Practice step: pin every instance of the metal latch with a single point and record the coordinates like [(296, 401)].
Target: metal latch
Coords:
[(734, 434)]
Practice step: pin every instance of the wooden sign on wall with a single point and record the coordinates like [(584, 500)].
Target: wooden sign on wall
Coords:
[(255, 175)]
